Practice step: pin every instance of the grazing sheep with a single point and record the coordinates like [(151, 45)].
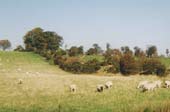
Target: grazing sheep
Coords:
[(158, 83), (100, 88), (19, 69), (167, 84), (37, 72), (27, 73), (20, 81), (108, 84), (141, 84), (73, 88), (149, 87)]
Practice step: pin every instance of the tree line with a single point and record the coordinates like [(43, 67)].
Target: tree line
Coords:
[(124, 60)]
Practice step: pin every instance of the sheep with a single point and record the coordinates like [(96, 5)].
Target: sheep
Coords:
[(158, 83), (27, 73), (19, 69), (141, 84), (108, 84), (20, 81), (149, 87), (100, 88), (37, 73), (73, 88), (167, 83)]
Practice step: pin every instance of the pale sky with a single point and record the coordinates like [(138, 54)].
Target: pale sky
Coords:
[(84, 22)]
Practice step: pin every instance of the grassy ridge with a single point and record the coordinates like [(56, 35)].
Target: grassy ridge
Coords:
[(45, 89)]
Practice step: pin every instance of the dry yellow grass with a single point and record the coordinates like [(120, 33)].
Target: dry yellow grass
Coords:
[(45, 88)]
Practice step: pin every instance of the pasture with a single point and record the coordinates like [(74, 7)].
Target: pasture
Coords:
[(45, 88)]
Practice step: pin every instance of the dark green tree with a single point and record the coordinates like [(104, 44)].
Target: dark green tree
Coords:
[(39, 41), (151, 51)]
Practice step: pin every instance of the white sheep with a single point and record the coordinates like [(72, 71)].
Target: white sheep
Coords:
[(149, 87), (167, 83), (19, 69), (27, 73), (73, 88), (141, 84), (108, 84), (100, 88), (20, 81), (158, 83)]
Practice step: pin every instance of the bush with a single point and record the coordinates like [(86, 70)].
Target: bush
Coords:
[(19, 48), (58, 60), (112, 60), (128, 65), (60, 52), (154, 66), (70, 64), (161, 69), (112, 69), (73, 64), (91, 66)]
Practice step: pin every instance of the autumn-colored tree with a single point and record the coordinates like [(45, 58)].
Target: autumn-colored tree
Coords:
[(128, 64), (5, 44)]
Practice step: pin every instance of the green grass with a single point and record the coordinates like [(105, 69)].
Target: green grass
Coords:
[(165, 61), (86, 58), (47, 90)]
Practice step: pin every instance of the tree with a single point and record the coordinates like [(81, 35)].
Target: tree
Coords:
[(74, 51), (151, 51), (98, 48), (107, 46), (5, 44), (138, 52), (126, 49), (128, 64), (37, 40), (91, 51), (167, 52)]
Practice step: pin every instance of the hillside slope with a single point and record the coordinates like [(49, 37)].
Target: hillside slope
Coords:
[(45, 89)]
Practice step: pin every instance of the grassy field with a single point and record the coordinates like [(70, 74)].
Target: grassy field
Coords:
[(45, 89)]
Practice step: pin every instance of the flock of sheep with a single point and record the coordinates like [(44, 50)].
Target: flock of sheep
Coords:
[(99, 88), (143, 85)]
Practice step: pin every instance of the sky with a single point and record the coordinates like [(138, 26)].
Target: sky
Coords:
[(84, 22)]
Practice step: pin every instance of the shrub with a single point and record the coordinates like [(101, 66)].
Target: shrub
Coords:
[(91, 66), (60, 52), (153, 66), (112, 69), (128, 65), (58, 60), (161, 69), (19, 48), (70, 64), (73, 64)]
